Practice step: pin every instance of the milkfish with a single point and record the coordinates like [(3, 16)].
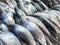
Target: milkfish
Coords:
[(6, 7), (26, 6), (24, 34), (11, 3), (19, 12), (7, 19), (37, 22), (39, 9), (47, 23), (8, 38), (54, 16), (43, 6), (35, 31), (48, 41)]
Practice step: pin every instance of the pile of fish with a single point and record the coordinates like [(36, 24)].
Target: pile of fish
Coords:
[(29, 22)]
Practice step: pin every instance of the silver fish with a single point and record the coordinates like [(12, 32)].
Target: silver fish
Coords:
[(11, 3), (7, 19), (37, 22), (9, 39), (58, 1), (23, 33), (43, 6), (23, 42), (54, 2), (48, 41), (56, 29), (5, 7), (35, 31), (26, 6), (37, 6), (46, 23), (20, 12), (53, 16)]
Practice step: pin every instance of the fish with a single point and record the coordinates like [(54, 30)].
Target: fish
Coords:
[(44, 22), (42, 5), (26, 7), (7, 19), (37, 22), (37, 43), (42, 14), (53, 16), (54, 2), (47, 2), (58, 1), (11, 3), (48, 41), (9, 39), (48, 14), (23, 42), (56, 28), (19, 12), (35, 31), (50, 36), (6, 7), (24, 34), (37, 7)]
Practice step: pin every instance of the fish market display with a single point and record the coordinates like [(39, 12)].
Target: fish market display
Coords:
[(29, 22)]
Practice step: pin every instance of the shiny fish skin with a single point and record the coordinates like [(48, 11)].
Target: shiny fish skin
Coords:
[(7, 19), (23, 43), (44, 7), (12, 3), (37, 22), (29, 22), (20, 12), (37, 34), (6, 7), (51, 17), (37, 6), (50, 36), (27, 8), (23, 33), (48, 41), (7, 38)]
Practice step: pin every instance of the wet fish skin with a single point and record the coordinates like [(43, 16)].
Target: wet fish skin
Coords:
[(50, 36), (35, 31), (23, 33), (42, 5), (7, 19), (19, 12), (6, 7), (37, 6), (48, 41), (26, 7), (37, 22), (9, 39), (43, 20), (12, 3)]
